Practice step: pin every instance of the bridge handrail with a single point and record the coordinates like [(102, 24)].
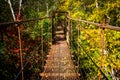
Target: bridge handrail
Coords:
[(106, 26), (16, 23), (23, 21), (103, 27)]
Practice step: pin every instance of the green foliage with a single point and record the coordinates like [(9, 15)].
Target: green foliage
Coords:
[(88, 43), (86, 47), (4, 8), (7, 63), (31, 35)]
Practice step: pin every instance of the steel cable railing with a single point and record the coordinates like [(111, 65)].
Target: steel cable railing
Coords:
[(23, 21), (79, 47), (106, 26)]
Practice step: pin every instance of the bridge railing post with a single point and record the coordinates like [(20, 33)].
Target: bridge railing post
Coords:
[(20, 51), (65, 25), (68, 29), (53, 32), (102, 46)]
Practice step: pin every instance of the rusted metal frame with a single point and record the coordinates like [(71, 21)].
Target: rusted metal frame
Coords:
[(24, 21), (98, 24), (20, 48)]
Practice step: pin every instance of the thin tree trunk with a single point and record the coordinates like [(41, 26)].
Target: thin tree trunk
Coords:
[(47, 7), (12, 11), (20, 7)]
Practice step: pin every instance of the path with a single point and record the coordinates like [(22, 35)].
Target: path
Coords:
[(59, 65)]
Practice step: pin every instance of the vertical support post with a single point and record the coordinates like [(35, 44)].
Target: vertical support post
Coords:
[(21, 56), (53, 32), (102, 52), (68, 29), (65, 23), (103, 46)]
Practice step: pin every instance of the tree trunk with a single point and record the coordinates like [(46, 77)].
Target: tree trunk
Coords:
[(12, 11), (47, 8)]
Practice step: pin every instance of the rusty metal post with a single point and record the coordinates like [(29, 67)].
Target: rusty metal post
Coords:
[(102, 52), (102, 46), (21, 56)]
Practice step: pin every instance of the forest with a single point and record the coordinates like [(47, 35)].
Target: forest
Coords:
[(36, 37)]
